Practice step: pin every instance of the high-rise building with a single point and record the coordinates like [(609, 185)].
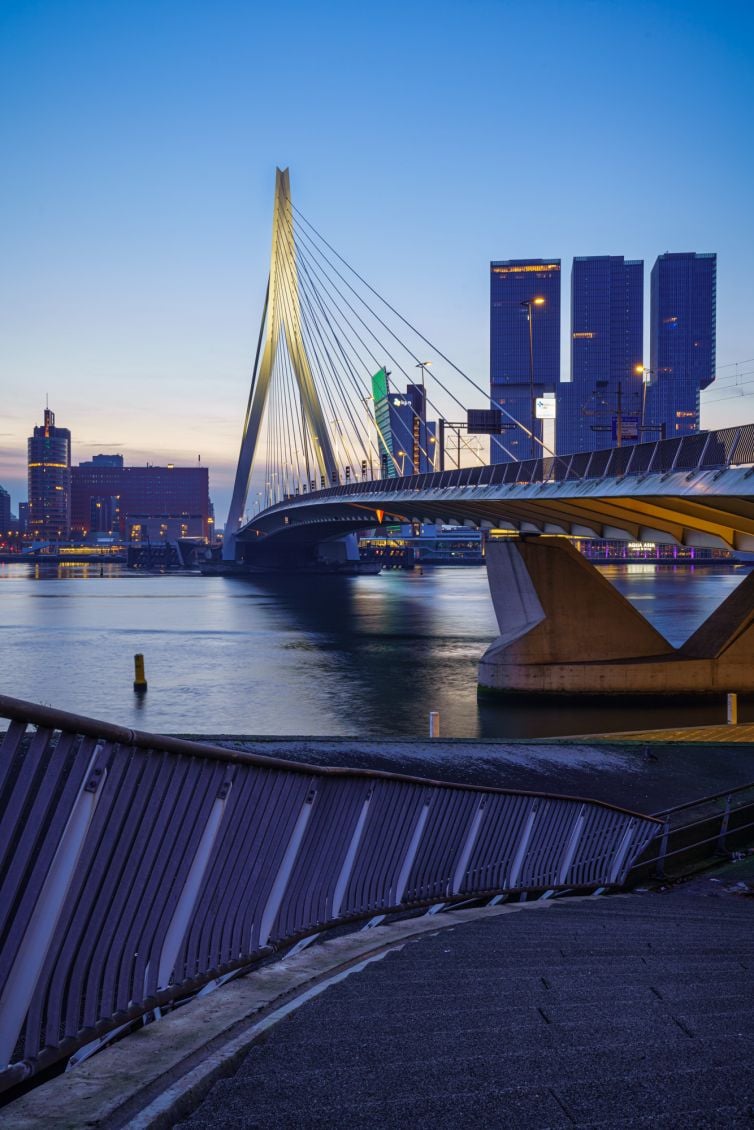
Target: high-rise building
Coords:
[(49, 466), (406, 440), (682, 338), (602, 403), (4, 513), (139, 503), (524, 348)]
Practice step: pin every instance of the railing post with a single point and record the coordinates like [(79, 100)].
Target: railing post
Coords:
[(522, 846), (413, 847), (733, 448), (700, 461), (620, 855), (275, 898), (187, 901), (347, 868), (724, 826), (468, 847), (573, 843), (660, 868)]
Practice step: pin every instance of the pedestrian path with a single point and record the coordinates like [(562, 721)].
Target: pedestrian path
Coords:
[(628, 1011)]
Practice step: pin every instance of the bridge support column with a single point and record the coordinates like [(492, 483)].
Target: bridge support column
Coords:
[(565, 630)]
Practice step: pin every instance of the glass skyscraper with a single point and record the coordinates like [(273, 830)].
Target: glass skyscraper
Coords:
[(682, 346), (603, 400), (406, 440), (515, 287)]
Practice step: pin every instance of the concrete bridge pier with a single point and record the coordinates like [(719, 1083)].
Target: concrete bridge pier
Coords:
[(565, 630)]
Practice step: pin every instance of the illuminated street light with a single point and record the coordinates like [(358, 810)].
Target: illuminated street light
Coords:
[(528, 303), (646, 379)]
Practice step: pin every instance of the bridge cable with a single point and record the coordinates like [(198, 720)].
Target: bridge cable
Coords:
[(396, 362), (411, 353), (419, 334)]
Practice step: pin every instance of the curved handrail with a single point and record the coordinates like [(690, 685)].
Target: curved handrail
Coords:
[(135, 868)]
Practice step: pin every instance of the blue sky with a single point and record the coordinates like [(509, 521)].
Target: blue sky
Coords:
[(139, 142)]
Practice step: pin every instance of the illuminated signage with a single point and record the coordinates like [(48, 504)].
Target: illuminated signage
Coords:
[(544, 407), (526, 268)]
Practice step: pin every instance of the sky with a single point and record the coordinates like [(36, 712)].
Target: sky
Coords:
[(139, 142)]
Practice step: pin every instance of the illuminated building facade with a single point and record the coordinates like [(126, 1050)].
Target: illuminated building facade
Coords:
[(683, 337), (49, 477), (521, 289), (139, 503), (406, 441), (604, 396)]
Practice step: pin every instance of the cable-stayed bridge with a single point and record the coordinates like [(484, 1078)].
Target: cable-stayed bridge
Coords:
[(332, 445)]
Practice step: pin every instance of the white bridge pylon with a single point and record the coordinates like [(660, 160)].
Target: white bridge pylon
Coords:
[(281, 328)]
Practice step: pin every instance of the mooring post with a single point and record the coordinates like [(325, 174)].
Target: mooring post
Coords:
[(140, 682), (732, 709), (434, 723)]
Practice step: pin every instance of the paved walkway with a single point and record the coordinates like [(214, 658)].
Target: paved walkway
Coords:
[(633, 1011), (744, 732)]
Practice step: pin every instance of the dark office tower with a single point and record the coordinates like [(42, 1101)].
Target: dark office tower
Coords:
[(49, 461), (522, 366), (682, 346), (4, 513), (602, 404)]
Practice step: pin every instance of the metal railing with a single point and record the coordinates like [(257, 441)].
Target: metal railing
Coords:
[(699, 830), (702, 451), (135, 868)]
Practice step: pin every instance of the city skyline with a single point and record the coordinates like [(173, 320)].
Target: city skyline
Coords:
[(140, 156)]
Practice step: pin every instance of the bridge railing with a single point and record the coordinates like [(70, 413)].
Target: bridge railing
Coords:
[(703, 451), (135, 868)]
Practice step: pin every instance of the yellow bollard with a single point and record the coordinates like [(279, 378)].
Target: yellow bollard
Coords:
[(140, 682)]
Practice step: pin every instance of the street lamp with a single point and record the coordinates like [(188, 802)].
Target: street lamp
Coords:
[(402, 457), (646, 379), (528, 303), (423, 365)]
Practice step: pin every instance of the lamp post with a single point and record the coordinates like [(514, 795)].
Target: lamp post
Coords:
[(646, 379), (528, 303), (423, 365)]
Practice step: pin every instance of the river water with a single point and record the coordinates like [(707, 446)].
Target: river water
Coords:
[(367, 656)]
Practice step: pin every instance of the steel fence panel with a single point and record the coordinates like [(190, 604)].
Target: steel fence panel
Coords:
[(451, 815), (323, 850), (690, 452), (642, 457), (192, 861), (744, 451), (665, 455), (598, 464)]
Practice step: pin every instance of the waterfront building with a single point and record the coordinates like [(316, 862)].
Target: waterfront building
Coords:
[(139, 503), (23, 517), (602, 404), (49, 471), (682, 338), (5, 518), (406, 440), (524, 348)]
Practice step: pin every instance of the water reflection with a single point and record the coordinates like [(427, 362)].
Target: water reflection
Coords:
[(328, 655)]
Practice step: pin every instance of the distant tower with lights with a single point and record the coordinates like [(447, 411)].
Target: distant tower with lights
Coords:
[(682, 338), (524, 296), (607, 318), (49, 468)]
